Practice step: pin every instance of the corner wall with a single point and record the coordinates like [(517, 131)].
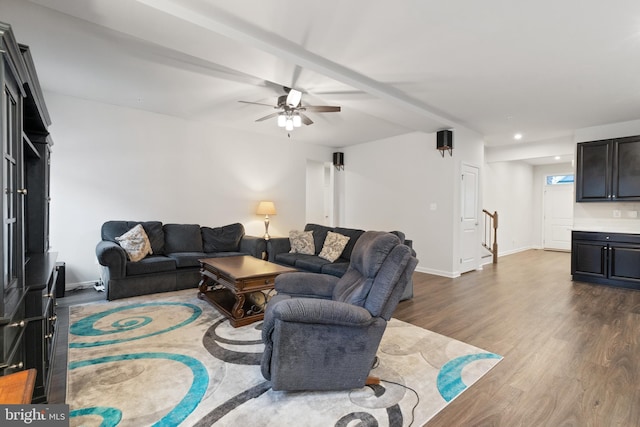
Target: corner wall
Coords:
[(403, 183)]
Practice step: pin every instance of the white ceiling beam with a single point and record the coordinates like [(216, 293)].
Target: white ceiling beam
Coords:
[(222, 23)]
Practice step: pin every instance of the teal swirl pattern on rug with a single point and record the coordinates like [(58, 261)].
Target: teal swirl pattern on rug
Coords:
[(188, 403), (85, 327), (450, 382)]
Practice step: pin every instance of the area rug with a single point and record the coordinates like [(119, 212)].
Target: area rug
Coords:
[(172, 360)]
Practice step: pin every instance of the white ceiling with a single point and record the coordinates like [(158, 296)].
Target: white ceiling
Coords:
[(541, 68)]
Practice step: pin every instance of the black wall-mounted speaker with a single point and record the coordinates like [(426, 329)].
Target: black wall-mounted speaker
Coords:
[(445, 139), (338, 160)]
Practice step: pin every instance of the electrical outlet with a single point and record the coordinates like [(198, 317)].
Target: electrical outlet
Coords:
[(632, 214), (617, 213)]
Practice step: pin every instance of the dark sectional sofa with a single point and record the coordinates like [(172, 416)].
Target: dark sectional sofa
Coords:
[(278, 251), (174, 263)]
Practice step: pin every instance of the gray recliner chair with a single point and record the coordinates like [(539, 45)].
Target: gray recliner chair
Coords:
[(322, 332)]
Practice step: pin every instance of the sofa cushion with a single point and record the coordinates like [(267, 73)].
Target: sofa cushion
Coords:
[(301, 242), (112, 229), (336, 268), (135, 243), (353, 234), (182, 238), (187, 259), (319, 235), (222, 239), (156, 235), (312, 263), (151, 264), (287, 258), (333, 246)]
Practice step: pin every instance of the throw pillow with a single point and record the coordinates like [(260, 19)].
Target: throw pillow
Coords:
[(301, 242), (135, 243), (333, 246)]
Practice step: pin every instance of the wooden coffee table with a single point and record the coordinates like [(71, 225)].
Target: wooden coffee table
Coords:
[(229, 284)]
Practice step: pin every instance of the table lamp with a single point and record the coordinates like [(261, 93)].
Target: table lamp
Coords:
[(266, 208)]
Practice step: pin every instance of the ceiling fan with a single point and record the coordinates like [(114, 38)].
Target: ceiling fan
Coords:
[(291, 114)]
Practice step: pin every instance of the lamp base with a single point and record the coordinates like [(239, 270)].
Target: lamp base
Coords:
[(266, 228)]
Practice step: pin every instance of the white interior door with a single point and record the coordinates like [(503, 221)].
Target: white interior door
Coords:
[(469, 242), (558, 216), (319, 193)]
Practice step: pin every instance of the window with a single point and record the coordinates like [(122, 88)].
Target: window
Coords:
[(559, 179)]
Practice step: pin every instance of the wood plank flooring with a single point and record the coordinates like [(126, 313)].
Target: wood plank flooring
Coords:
[(571, 350)]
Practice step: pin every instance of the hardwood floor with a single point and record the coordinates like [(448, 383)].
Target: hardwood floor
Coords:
[(571, 350)]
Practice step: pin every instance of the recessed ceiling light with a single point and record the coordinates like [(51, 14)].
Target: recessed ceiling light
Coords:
[(517, 136), (557, 157)]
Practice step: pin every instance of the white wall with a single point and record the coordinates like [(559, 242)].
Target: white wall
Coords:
[(599, 215), (508, 189), (391, 184), (111, 162)]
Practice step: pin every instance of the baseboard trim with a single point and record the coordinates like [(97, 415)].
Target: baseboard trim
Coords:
[(449, 274)]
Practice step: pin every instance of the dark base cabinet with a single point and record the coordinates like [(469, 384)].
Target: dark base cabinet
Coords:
[(606, 258), (41, 276)]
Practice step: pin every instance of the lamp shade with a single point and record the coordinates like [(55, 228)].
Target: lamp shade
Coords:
[(266, 208)]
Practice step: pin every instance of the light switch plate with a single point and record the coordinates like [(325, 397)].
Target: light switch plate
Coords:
[(617, 213)]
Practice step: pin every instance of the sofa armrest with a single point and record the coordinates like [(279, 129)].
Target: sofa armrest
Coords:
[(112, 256), (312, 285), (277, 245), (253, 245)]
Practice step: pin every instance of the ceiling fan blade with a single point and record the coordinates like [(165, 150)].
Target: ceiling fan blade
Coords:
[(258, 103), (322, 108), (306, 120), (261, 119)]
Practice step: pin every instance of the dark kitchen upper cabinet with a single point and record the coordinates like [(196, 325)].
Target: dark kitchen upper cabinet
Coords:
[(608, 170)]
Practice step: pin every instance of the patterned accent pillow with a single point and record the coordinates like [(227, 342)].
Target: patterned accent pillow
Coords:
[(135, 243), (301, 242), (333, 246)]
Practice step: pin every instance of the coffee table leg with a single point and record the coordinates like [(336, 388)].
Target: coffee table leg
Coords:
[(238, 307), (203, 286)]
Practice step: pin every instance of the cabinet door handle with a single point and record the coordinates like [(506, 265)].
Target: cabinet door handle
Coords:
[(22, 191), (19, 365), (19, 324)]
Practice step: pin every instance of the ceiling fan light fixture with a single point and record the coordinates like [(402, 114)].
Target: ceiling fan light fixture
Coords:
[(289, 124), (282, 120), (297, 120), (294, 97)]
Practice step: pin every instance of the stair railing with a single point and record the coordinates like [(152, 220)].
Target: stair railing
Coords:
[(490, 238)]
